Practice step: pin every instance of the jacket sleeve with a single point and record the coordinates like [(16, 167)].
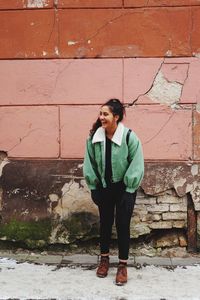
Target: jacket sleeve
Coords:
[(89, 166), (135, 171)]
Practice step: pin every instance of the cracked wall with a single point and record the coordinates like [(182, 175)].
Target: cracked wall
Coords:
[(52, 98)]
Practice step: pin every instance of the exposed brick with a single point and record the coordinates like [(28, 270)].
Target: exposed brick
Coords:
[(140, 208), (144, 3), (174, 216), (22, 4), (88, 3), (29, 131), (158, 208), (179, 224), (178, 207), (161, 225), (28, 34), (150, 217), (169, 240), (196, 135), (95, 33), (182, 241), (147, 201), (171, 199)]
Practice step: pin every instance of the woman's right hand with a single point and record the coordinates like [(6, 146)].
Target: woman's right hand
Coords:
[(96, 196)]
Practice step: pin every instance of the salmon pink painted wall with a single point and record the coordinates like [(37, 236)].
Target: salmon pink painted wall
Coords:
[(60, 60)]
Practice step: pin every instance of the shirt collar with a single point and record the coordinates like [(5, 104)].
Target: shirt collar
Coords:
[(100, 136)]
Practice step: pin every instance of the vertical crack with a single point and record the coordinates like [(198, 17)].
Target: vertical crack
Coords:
[(143, 94), (191, 29), (186, 78)]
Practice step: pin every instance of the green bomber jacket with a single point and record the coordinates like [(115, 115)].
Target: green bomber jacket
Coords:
[(126, 159)]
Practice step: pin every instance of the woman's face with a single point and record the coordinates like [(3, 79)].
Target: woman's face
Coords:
[(108, 120)]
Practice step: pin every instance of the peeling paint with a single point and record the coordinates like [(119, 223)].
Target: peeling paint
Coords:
[(194, 170), (164, 91), (56, 51), (168, 53), (74, 199), (198, 107), (196, 54), (71, 43), (2, 165), (37, 3), (53, 197)]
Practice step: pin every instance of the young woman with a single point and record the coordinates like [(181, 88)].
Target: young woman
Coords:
[(113, 169)]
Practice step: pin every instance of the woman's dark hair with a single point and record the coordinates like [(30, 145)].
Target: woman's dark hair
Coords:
[(116, 108)]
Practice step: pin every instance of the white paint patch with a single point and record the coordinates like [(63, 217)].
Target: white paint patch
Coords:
[(37, 3), (44, 53), (168, 53), (164, 91), (80, 166), (71, 43), (198, 107), (53, 197), (195, 170), (2, 165), (56, 50), (196, 54)]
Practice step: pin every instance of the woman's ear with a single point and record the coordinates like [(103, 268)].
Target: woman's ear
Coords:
[(116, 118)]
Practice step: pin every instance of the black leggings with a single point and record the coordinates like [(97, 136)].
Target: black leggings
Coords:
[(112, 199)]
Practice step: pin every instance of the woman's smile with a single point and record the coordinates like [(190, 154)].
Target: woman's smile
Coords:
[(107, 119)]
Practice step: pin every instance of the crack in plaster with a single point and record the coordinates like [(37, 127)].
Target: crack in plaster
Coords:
[(55, 23), (191, 29), (147, 4), (65, 189), (22, 138), (186, 78), (143, 94), (60, 73), (98, 30), (159, 131)]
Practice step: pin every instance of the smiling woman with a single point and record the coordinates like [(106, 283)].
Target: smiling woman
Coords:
[(113, 170)]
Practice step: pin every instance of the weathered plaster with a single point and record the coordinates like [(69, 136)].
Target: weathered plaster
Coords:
[(32, 191), (36, 3), (164, 91)]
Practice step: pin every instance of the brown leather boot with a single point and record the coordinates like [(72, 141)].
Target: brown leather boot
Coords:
[(121, 276), (103, 267)]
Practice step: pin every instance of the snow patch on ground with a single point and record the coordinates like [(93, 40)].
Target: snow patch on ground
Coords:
[(30, 281)]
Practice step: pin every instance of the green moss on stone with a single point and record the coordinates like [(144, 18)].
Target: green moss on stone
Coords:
[(31, 233), (81, 225)]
